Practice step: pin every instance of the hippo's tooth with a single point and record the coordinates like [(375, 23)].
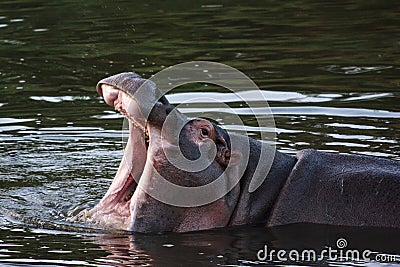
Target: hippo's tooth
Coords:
[(129, 196)]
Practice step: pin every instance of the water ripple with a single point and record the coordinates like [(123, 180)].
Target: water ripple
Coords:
[(58, 99), (353, 69), (270, 96), (306, 110), (12, 42), (13, 120), (355, 126), (368, 97)]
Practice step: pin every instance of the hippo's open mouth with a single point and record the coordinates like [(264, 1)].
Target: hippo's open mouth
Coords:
[(116, 202)]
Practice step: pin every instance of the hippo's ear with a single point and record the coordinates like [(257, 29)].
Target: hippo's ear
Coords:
[(235, 158)]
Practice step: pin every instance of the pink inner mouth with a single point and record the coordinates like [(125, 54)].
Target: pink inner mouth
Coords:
[(114, 208)]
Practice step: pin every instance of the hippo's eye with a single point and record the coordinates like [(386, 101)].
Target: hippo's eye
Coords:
[(204, 132)]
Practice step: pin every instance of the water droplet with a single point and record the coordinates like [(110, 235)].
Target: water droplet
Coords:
[(40, 30), (16, 20)]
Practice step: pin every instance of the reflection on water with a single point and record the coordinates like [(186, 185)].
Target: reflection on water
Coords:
[(330, 72), (221, 247)]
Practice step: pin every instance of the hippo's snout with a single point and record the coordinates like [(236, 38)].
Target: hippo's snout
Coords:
[(135, 97)]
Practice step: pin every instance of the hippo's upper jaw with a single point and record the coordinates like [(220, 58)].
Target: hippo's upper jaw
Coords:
[(127, 205)]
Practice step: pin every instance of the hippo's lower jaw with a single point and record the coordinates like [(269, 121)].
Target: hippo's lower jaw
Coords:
[(113, 211)]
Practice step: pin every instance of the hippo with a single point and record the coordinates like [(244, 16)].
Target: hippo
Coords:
[(311, 187)]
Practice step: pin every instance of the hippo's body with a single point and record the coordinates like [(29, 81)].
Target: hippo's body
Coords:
[(336, 189), (313, 187)]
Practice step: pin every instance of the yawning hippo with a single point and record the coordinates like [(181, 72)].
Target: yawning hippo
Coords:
[(313, 187)]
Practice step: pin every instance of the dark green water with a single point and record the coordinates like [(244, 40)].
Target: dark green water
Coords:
[(331, 73)]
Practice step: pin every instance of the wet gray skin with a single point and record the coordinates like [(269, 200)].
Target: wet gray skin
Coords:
[(312, 187)]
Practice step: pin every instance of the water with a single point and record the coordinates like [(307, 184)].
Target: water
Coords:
[(329, 70)]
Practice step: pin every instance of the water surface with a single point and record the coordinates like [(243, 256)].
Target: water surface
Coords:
[(330, 72)]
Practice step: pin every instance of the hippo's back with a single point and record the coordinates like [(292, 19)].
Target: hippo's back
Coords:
[(339, 189)]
